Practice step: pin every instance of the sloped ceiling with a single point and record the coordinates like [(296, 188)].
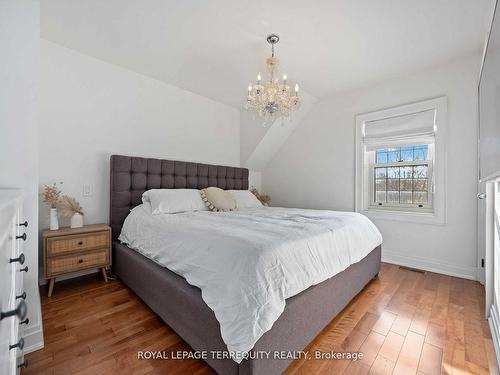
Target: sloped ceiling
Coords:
[(215, 48), (259, 145)]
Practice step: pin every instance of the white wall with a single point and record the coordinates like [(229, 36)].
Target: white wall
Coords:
[(259, 144), (90, 109), (252, 131), (255, 180), (316, 166), (19, 42)]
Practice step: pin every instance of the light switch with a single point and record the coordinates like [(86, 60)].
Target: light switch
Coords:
[(87, 190)]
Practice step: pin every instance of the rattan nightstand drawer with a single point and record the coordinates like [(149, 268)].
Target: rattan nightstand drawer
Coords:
[(67, 244), (77, 262)]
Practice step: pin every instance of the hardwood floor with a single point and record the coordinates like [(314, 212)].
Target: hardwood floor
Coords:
[(404, 322)]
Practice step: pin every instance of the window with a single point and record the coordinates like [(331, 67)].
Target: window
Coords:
[(400, 162), (401, 177)]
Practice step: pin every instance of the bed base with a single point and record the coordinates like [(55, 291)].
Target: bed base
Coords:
[(180, 305)]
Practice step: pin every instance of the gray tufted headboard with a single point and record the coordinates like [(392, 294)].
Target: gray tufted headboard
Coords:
[(132, 176)]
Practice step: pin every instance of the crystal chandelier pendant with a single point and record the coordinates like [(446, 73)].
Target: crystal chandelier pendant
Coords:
[(273, 99)]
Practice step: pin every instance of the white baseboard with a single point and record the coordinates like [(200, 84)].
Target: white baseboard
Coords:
[(33, 335), (33, 339), (429, 265), (494, 323)]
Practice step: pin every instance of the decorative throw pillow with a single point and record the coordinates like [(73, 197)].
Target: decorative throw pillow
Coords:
[(217, 199)]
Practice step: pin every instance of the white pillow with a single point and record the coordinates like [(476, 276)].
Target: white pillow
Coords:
[(245, 199), (171, 201)]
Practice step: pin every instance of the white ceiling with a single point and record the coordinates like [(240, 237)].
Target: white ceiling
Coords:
[(216, 47)]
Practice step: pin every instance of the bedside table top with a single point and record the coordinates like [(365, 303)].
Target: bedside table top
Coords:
[(67, 230)]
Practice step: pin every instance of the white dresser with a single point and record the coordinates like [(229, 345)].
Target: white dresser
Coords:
[(13, 308)]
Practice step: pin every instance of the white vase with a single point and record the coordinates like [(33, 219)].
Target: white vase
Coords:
[(54, 222), (76, 220)]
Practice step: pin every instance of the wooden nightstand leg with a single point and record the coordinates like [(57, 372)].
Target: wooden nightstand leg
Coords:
[(104, 275), (51, 286)]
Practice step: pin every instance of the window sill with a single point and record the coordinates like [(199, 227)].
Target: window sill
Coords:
[(404, 216)]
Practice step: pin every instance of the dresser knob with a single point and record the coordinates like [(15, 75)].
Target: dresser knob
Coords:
[(23, 237), (20, 259), (80, 243), (20, 344), (25, 269), (25, 321), (80, 260), (23, 296), (20, 311), (23, 365), (25, 224)]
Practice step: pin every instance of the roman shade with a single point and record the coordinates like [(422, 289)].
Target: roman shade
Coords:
[(412, 128)]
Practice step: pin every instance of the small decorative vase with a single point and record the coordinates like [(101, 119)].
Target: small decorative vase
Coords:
[(76, 220), (54, 222)]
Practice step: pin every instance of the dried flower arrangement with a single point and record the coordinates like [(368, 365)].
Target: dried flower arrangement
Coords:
[(263, 198), (51, 195), (70, 206)]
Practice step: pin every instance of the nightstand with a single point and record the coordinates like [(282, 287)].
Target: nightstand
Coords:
[(70, 250)]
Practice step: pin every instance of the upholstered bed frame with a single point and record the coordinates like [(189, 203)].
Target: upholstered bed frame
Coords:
[(180, 305)]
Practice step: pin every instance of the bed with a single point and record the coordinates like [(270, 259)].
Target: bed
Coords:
[(181, 305)]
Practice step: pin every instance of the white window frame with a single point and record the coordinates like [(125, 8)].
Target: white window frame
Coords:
[(435, 213)]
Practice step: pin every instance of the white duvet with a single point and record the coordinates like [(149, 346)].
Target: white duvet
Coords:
[(247, 262)]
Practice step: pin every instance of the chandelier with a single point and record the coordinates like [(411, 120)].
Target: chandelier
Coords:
[(273, 99)]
